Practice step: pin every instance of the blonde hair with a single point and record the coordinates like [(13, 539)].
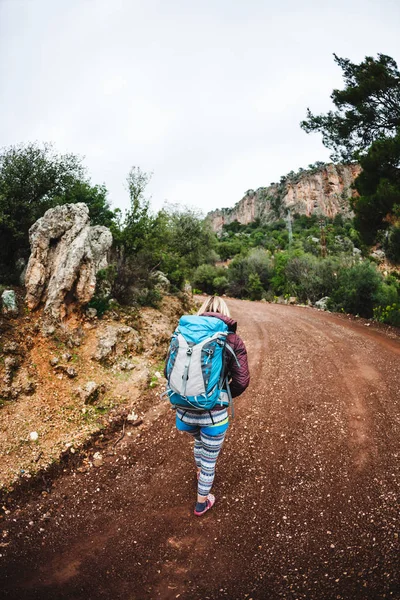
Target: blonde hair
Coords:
[(214, 304)]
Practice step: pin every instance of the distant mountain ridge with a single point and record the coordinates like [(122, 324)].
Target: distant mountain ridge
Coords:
[(323, 189)]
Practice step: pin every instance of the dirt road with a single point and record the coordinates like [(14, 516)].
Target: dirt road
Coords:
[(307, 486)]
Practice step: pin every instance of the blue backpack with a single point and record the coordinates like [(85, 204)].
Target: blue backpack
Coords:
[(195, 364)]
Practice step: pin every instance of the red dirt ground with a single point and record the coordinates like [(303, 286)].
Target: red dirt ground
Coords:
[(307, 486)]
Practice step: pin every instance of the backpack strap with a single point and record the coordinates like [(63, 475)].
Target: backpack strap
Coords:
[(224, 381), (228, 389), (231, 350)]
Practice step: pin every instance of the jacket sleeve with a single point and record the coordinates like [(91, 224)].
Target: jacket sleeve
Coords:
[(239, 373)]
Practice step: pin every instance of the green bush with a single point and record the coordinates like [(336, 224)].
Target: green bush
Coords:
[(249, 275), (388, 314), (149, 297), (255, 287), (357, 289), (392, 245), (220, 284), (203, 278)]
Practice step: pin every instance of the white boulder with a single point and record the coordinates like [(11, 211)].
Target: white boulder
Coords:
[(66, 253)]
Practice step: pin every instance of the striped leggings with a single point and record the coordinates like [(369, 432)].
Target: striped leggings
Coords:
[(208, 439)]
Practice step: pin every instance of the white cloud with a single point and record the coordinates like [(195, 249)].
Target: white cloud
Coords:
[(207, 96)]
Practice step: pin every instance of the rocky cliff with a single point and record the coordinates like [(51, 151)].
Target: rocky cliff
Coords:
[(324, 190)]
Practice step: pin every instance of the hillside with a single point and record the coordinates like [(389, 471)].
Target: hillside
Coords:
[(62, 386), (323, 189)]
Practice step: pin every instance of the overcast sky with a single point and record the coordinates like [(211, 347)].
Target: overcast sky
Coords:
[(206, 95)]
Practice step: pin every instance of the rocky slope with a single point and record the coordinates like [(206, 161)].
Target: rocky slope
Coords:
[(323, 190), (59, 387)]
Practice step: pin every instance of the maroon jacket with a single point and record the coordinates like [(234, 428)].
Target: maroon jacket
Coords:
[(240, 375)]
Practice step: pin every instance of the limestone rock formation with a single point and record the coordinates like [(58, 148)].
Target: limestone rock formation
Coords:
[(66, 253), (324, 191)]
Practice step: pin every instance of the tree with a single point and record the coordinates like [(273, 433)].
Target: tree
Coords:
[(378, 206), (191, 236), (33, 178), (368, 108), (95, 197), (357, 289), (138, 220), (366, 127)]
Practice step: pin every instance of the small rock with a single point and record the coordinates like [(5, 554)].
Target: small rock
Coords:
[(125, 329), (11, 348), (28, 388), (11, 365), (378, 254), (106, 345), (126, 365), (29, 342), (48, 330), (91, 313), (75, 338), (33, 436), (66, 356), (54, 361), (6, 392), (97, 459), (10, 306), (322, 304), (91, 391), (71, 372)]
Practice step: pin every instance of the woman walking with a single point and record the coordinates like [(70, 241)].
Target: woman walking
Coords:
[(209, 427)]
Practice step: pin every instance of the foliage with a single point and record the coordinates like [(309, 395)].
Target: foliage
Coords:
[(379, 187), (209, 279), (255, 287), (249, 274), (366, 127), (138, 224), (95, 197), (174, 241), (174, 245), (368, 108), (357, 289), (310, 278), (102, 295), (389, 314), (33, 178), (191, 236), (392, 245)]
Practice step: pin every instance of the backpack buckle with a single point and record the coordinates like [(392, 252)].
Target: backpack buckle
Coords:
[(189, 351)]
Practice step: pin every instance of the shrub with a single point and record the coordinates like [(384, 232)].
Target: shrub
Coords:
[(392, 245), (357, 289), (388, 314), (249, 275), (255, 287), (220, 284), (203, 278)]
